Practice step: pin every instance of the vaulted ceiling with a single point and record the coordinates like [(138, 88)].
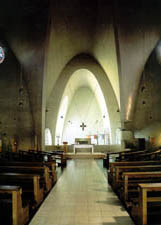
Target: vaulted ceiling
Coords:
[(45, 36)]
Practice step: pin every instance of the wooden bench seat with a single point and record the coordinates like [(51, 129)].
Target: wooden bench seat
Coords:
[(42, 171), (140, 211), (16, 156), (11, 195), (112, 166), (51, 165), (59, 155), (132, 179), (119, 170), (149, 155), (125, 178), (136, 155), (38, 155), (30, 184), (106, 160), (24, 156), (132, 155), (132, 163)]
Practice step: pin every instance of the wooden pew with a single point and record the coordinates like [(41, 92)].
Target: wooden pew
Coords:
[(127, 155), (30, 184), (138, 155), (40, 155), (126, 163), (19, 214), (132, 179), (150, 155), (132, 155), (132, 163), (42, 171), (59, 155), (24, 156), (50, 156), (34, 156), (51, 165), (139, 212), (16, 156), (119, 170), (43, 156), (106, 160), (8, 156)]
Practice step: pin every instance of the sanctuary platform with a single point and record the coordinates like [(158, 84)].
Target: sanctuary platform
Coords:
[(83, 147), (85, 155)]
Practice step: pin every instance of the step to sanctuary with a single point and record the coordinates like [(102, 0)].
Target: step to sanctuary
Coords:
[(85, 155)]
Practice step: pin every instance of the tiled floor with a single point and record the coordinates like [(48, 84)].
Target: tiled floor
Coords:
[(81, 197)]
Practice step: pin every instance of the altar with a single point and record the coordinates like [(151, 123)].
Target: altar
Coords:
[(82, 146), (83, 143)]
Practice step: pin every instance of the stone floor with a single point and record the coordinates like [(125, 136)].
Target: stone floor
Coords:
[(82, 197)]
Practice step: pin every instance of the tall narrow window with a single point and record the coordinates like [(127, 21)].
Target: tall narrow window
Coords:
[(2, 55), (48, 137)]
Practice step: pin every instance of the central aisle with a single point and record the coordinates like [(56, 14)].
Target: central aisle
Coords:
[(82, 197)]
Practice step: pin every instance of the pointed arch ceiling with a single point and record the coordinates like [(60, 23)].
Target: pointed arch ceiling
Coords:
[(83, 78), (77, 28), (83, 61), (81, 81)]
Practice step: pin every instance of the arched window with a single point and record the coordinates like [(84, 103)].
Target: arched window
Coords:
[(2, 55), (48, 137), (61, 120)]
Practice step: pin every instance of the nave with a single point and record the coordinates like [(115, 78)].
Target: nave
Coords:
[(82, 196)]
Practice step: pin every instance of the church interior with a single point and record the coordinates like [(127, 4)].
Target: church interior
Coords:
[(80, 121)]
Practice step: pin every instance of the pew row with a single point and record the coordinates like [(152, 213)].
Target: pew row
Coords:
[(133, 155), (42, 171), (106, 160), (132, 179), (51, 165), (117, 167), (51, 155), (119, 170), (33, 173), (30, 184), (147, 197), (60, 157), (11, 196)]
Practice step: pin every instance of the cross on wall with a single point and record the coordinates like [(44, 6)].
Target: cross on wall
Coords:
[(83, 126)]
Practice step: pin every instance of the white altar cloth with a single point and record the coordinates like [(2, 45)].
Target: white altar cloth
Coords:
[(83, 146)]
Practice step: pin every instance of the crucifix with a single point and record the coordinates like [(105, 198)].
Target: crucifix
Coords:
[(83, 126)]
